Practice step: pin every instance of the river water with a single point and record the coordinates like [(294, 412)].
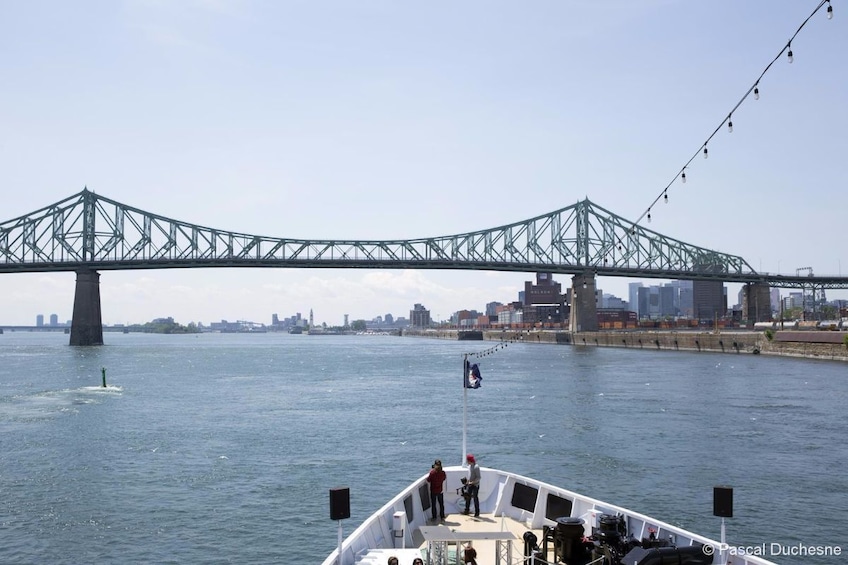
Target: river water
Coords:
[(222, 448)]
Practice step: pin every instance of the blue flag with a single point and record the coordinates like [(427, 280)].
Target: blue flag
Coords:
[(472, 376)]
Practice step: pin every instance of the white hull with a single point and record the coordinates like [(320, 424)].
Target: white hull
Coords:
[(509, 502)]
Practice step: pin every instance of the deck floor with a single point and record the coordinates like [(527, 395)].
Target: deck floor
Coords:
[(486, 549)]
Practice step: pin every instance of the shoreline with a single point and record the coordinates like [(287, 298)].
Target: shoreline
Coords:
[(727, 342)]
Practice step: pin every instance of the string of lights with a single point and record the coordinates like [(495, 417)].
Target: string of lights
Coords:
[(516, 338), (728, 120)]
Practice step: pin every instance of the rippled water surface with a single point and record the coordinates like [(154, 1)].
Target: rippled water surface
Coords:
[(221, 448)]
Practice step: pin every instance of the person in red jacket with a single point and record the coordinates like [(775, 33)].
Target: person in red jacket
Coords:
[(437, 478)]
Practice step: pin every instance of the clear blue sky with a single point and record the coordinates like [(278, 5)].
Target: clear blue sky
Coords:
[(391, 120)]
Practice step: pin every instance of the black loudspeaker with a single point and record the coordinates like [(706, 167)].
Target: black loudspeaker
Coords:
[(339, 503), (723, 502)]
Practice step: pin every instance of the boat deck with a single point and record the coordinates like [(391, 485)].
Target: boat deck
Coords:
[(513, 505), (482, 532)]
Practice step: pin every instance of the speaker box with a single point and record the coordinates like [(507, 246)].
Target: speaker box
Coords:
[(339, 503), (723, 502)]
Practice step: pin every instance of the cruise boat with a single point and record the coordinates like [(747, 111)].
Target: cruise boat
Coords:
[(525, 521)]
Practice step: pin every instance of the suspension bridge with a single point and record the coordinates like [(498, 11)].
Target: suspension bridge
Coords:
[(87, 233)]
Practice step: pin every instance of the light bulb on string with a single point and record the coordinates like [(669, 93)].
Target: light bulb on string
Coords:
[(829, 11), (756, 92)]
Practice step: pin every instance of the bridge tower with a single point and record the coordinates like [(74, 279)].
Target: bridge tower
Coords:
[(584, 309), (756, 302), (87, 325)]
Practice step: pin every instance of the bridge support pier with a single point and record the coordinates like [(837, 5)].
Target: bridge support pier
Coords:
[(86, 325), (756, 302), (584, 310)]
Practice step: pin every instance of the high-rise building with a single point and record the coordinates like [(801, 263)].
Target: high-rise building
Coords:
[(685, 299), (419, 317), (656, 302), (39, 320), (648, 302), (708, 300), (54, 319), (679, 287), (633, 298), (667, 298)]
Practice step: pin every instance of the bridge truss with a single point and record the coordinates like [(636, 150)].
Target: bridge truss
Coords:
[(90, 232)]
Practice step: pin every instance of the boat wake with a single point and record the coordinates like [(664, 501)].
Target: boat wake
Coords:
[(49, 404), (102, 389)]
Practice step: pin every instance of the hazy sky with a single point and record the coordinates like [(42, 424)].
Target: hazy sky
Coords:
[(395, 120)]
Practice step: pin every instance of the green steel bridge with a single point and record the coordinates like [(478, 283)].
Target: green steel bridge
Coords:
[(87, 233)]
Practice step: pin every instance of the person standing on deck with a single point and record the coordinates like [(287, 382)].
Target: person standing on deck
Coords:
[(437, 478), (473, 485)]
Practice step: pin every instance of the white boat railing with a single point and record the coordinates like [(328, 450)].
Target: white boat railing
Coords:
[(522, 499)]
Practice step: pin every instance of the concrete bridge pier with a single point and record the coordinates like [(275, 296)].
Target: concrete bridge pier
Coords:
[(87, 325), (584, 310), (756, 302)]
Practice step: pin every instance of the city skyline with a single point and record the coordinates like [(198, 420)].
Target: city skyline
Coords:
[(393, 121), (627, 297)]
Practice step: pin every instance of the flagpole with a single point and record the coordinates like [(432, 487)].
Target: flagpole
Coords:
[(464, 407)]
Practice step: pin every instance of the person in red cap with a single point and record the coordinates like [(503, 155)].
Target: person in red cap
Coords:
[(473, 486)]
